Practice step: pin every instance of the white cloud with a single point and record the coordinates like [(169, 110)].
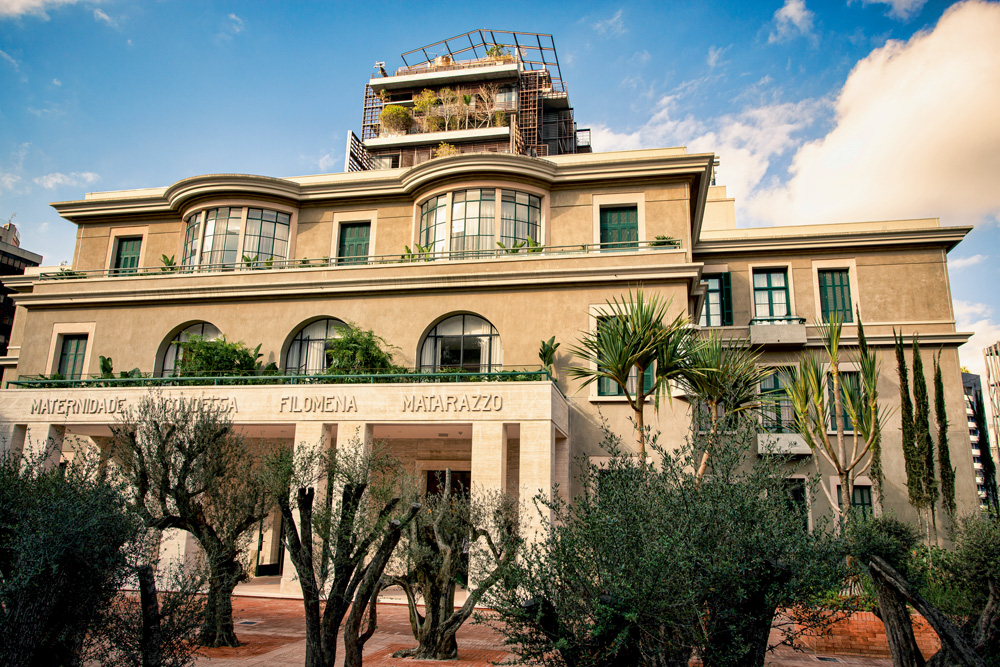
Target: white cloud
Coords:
[(915, 134), (746, 142), (58, 180), (614, 25), (715, 55), (231, 26), (56, 82), (962, 262), (792, 20), (641, 57), (10, 177), (6, 57), (10, 8), (900, 9), (978, 319), (327, 161), (100, 16), (235, 23)]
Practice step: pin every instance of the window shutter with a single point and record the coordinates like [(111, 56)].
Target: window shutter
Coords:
[(727, 300)]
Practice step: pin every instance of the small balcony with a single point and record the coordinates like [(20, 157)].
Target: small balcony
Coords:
[(787, 331)]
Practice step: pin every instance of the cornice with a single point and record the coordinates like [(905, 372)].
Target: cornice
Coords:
[(314, 283), (390, 183), (842, 240)]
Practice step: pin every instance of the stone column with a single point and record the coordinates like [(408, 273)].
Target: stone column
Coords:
[(489, 456), (44, 438), (535, 470)]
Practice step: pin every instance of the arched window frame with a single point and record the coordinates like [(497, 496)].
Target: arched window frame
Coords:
[(295, 347), (168, 361), (430, 358)]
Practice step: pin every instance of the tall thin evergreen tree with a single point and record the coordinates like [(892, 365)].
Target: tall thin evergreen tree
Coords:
[(923, 444), (875, 472), (914, 480), (944, 451)]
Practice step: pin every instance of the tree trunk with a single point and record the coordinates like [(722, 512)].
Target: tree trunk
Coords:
[(149, 646), (439, 605), (898, 626), (217, 630)]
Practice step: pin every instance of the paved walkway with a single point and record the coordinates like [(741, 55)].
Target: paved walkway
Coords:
[(273, 635)]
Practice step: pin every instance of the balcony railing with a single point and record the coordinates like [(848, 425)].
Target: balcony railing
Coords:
[(787, 319), (498, 374), (416, 256)]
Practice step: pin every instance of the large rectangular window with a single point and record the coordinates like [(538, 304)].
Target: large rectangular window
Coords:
[(127, 254), (850, 376), (861, 499), (192, 235), (835, 295), (353, 245), (433, 223), (266, 236), (222, 236), (619, 228), (718, 310), (520, 218), (770, 294), (777, 413), (71, 355), (472, 217)]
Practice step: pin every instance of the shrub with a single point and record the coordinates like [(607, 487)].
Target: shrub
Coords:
[(395, 118)]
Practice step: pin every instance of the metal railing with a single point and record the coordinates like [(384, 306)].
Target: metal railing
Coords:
[(787, 319), (408, 376), (417, 256)]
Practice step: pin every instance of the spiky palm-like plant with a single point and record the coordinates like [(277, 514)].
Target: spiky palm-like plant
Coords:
[(634, 337), (723, 375), (812, 388)]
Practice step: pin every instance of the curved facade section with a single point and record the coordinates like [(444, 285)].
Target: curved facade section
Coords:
[(248, 236), (466, 342)]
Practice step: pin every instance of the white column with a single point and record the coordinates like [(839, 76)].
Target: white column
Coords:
[(44, 438), (535, 469), (489, 456)]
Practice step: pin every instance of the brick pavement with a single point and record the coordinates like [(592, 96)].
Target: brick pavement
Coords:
[(273, 633)]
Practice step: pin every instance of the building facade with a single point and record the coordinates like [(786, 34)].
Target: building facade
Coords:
[(14, 260), (462, 263)]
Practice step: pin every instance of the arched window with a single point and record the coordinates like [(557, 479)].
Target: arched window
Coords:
[(463, 341), (203, 329), (307, 352)]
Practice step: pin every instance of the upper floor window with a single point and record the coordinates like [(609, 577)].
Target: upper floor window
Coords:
[(861, 499), (127, 254), (71, 355), (266, 236), (468, 223), (465, 342), (473, 213), (835, 295), (213, 237), (718, 309), (307, 353), (620, 228), (352, 247), (434, 223), (770, 294), (846, 377)]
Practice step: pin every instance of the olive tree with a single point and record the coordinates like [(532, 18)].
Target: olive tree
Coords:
[(339, 538), (189, 469)]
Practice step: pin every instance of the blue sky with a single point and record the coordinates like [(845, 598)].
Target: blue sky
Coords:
[(819, 111)]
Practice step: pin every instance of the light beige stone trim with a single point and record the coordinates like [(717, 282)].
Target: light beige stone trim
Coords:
[(116, 233), (69, 329), (620, 199), (764, 266), (341, 217), (849, 263)]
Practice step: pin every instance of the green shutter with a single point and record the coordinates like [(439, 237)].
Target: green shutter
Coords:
[(727, 300), (835, 295), (619, 228), (74, 349), (354, 239), (127, 255)]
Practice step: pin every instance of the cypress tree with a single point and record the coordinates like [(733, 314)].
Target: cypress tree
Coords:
[(923, 445), (914, 483), (875, 472), (944, 452)]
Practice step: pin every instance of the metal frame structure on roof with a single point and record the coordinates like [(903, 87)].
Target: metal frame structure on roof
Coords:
[(535, 51)]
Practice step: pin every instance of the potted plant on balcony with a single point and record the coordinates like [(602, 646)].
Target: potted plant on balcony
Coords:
[(395, 120)]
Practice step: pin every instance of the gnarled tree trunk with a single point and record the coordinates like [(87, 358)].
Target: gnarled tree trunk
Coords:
[(217, 630)]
